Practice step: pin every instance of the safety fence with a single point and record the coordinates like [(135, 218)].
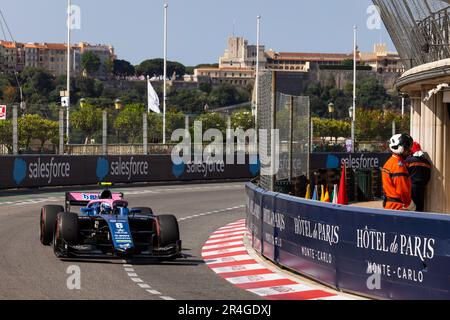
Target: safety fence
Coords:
[(375, 253), (363, 175), (45, 171)]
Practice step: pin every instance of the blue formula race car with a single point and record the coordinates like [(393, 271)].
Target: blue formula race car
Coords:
[(105, 226)]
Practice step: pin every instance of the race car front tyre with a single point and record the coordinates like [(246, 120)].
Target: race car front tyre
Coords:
[(169, 232), (145, 211), (65, 234), (47, 223)]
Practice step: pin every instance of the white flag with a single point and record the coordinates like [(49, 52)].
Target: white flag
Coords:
[(153, 99)]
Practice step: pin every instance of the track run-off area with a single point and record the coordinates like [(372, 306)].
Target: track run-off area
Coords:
[(31, 271)]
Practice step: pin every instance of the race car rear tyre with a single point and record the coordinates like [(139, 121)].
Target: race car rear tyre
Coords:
[(65, 234), (169, 232), (47, 223), (145, 211)]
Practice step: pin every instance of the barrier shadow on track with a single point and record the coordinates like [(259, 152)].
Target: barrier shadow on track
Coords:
[(96, 260), (178, 262), (186, 260)]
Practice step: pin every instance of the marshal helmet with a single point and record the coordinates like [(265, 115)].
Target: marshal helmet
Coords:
[(401, 143)]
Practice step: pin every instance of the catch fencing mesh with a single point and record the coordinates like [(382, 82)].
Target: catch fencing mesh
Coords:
[(419, 29), (290, 115)]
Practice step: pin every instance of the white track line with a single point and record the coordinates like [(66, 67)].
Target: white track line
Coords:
[(256, 278), (217, 246), (134, 277), (198, 215)]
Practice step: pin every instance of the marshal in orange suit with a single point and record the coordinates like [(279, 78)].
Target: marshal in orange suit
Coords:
[(396, 179)]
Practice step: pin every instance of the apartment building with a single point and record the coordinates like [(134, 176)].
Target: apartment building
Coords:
[(12, 56), (51, 56)]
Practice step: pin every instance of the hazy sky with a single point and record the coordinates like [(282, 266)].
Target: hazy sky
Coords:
[(198, 29)]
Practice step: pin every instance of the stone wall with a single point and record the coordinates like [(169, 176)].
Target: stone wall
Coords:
[(295, 83), (431, 127)]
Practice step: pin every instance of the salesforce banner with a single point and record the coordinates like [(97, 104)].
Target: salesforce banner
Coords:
[(377, 253), (42, 171), (355, 161)]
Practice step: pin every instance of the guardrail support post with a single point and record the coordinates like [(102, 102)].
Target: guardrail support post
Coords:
[(15, 138), (145, 133), (105, 132), (61, 131)]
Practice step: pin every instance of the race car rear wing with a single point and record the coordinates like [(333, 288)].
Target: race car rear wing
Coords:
[(81, 199)]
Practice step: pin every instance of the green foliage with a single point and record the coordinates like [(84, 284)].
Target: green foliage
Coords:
[(37, 85), (6, 130), (123, 68), (189, 101), (370, 95), (205, 87), (129, 121), (9, 94), (90, 62), (371, 125), (86, 87), (5, 82), (32, 126), (155, 67), (174, 120), (194, 101), (212, 120), (242, 119), (227, 95), (331, 128), (376, 125), (88, 120), (48, 131)]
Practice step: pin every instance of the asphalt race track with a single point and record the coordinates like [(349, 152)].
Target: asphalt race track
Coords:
[(29, 270)]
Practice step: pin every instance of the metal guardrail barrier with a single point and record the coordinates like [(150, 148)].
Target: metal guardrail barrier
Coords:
[(373, 252)]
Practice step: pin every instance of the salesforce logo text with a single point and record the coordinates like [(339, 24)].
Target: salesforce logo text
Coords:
[(361, 162), (129, 168), (205, 168), (48, 170)]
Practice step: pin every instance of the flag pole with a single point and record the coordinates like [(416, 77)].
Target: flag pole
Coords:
[(354, 89), (165, 73), (148, 95), (258, 21), (69, 15)]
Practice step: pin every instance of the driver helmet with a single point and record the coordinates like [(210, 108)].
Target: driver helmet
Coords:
[(105, 208)]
